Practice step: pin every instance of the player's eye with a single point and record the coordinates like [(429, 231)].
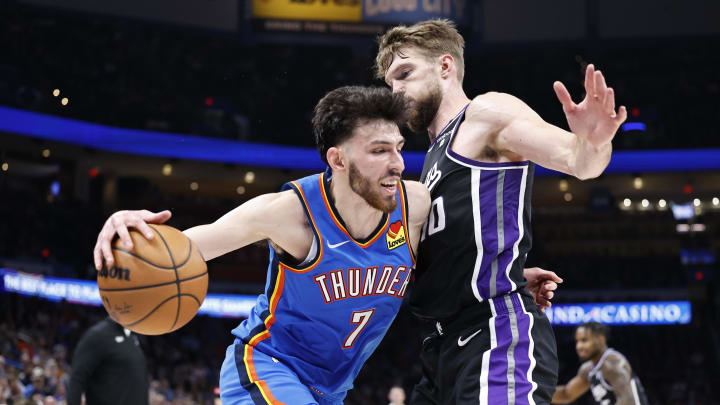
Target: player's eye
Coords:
[(404, 74)]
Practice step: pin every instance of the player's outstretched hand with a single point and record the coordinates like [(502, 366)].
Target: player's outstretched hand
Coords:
[(594, 118), (541, 284), (118, 224)]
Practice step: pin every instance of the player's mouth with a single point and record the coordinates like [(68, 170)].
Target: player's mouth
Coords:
[(390, 186)]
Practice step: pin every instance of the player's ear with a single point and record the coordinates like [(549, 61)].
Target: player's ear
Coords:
[(335, 158), (447, 65)]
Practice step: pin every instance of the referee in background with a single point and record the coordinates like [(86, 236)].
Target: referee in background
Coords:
[(109, 367)]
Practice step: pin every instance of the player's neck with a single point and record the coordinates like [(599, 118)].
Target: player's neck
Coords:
[(596, 358), (359, 217), (453, 101)]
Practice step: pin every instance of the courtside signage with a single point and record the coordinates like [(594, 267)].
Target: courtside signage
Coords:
[(86, 292), (321, 10), (621, 313)]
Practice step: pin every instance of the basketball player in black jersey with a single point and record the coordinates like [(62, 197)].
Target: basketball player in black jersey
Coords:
[(491, 344), (605, 372)]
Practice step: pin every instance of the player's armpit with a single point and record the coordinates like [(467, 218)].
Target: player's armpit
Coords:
[(277, 216)]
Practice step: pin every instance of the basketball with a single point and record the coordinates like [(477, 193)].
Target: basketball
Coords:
[(156, 287)]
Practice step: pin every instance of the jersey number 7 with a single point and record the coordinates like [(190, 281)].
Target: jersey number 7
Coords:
[(361, 319)]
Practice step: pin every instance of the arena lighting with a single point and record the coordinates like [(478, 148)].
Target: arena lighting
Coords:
[(633, 126), (5, 166), (240, 190), (568, 197), (55, 188), (184, 146), (716, 201), (238, 306), (46, 153), (64, 101), (249, 177), (167, 169), (627, 202), (638, 183), (662, 203), (56, 92), (645, 203), (563, 185), (697, 202), (194, 186)]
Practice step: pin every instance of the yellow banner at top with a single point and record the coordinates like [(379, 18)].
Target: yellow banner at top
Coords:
[(323, 10)]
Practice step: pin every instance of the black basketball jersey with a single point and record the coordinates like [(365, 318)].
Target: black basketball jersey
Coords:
[(475, 241), (604, 393)]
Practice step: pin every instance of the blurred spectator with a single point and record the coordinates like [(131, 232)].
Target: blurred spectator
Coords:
[(396, 396)]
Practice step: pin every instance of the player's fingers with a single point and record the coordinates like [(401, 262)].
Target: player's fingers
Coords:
[(600, 86), (107, 253), (155, 217), (124, 235), (589, 82), (143, 227), (549, 286), (549, 295), (621, 115), (610, 101), (564, 96), (97, 258), (550, 275)]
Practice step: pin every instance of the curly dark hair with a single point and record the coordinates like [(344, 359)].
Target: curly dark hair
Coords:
[(596, 329), (341, 110)]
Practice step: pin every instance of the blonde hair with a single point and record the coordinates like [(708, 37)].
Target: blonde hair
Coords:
[(431, 37)]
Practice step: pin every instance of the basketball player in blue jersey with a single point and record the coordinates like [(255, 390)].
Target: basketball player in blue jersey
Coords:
[(341, 255), (490, 344), (605, 372)]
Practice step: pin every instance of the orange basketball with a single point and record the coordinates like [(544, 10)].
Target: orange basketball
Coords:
[(156, 287)]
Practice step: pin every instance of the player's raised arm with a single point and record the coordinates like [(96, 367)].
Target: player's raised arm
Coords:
[(519, 131), (578, 385)]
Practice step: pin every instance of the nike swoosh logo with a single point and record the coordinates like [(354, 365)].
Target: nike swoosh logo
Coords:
[(462, 342), (333, 246)]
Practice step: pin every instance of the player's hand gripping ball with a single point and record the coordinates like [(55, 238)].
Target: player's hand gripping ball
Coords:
[(156, 287)]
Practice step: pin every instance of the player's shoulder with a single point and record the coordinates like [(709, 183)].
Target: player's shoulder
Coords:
[(497, 106), (418, 200), (614, 359)]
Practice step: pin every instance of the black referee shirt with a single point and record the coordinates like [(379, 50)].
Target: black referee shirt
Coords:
[(109, 367)]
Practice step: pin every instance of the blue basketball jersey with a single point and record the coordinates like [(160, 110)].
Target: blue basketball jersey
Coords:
[(324, 318)]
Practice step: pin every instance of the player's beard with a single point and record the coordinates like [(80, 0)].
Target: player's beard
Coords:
[(363, 187), (422, 113)]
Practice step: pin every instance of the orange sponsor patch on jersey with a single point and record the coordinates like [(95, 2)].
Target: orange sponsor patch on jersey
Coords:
[(395, 235)]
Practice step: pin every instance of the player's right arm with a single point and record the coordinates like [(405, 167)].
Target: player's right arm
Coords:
[(578, 385), (276, 216), (418, 210)]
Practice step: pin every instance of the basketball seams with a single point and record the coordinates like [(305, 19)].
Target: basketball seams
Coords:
[(128, 325), (152, 285), (177, 278)]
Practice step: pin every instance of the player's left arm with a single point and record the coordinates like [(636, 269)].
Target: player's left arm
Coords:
[(418, 208), (617, 372), (519, 131)]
